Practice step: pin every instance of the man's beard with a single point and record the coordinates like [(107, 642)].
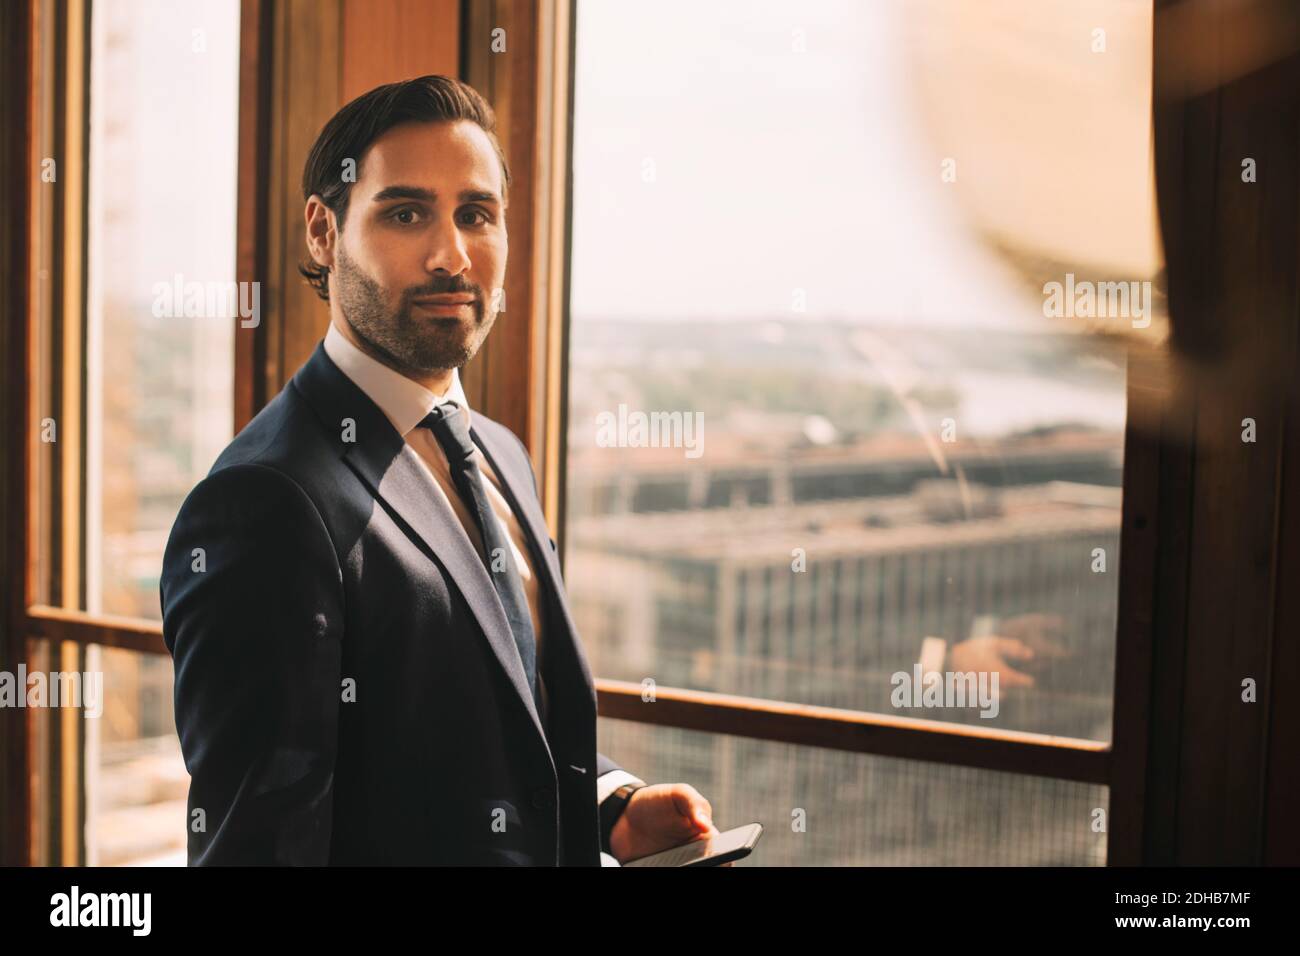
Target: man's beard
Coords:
[(410, 343)]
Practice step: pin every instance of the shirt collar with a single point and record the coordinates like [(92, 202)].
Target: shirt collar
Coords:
[(402, 400)]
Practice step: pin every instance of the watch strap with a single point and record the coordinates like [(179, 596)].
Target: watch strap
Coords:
[(611, 809)]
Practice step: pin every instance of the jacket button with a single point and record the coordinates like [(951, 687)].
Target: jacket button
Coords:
[(543, 799)]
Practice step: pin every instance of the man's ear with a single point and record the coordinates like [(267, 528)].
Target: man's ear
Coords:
[(322, 237)]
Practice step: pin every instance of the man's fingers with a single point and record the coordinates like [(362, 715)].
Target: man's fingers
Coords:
[(706, 834), (692, 805), (1010, 677), (1010, 647)]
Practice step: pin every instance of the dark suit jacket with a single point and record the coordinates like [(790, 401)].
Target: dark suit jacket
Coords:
[(324, 562)]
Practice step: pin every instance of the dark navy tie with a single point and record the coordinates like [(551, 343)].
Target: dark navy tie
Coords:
[(447, 422)]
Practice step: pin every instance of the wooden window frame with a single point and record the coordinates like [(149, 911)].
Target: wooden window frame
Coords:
[(1159, 463)]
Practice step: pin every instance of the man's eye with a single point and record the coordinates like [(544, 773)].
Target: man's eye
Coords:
[(410, 214), (471, 213)]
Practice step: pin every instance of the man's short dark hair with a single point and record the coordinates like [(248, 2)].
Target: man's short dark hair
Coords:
[(350, 131)]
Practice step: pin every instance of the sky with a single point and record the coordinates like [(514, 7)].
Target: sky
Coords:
[(798, 147)]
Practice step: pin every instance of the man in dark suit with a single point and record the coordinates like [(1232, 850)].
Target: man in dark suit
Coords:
[(375, 660)]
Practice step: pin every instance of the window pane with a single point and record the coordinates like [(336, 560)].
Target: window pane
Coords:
[(825, 426), (164, 85), (162, 201), (832, 808), (136, 781)]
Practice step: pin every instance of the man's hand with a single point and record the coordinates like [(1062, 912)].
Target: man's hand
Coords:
[(992, 653), (1028, 639), (1041, 633), (659, 817)]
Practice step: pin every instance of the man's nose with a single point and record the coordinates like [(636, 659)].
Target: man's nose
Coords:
[(448, 250)]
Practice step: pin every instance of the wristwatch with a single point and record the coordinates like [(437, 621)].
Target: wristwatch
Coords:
[(611, 809)]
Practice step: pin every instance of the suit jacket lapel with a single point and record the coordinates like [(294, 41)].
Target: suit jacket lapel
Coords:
[(394, 474), (492, 439)]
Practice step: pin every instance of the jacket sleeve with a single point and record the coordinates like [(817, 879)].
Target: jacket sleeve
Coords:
[(604, 765), (253, 617), (609, 775)]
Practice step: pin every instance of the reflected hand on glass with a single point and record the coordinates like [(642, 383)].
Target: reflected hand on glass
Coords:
[(1028, 640), (1039, 632), (992, 654)]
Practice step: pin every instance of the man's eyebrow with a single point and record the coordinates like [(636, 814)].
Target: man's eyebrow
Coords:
[(428, 195)]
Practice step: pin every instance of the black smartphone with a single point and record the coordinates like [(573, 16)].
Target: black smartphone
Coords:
[(723, 848)]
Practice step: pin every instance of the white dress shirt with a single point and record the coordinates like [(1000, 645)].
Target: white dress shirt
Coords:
[(405, 403)]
